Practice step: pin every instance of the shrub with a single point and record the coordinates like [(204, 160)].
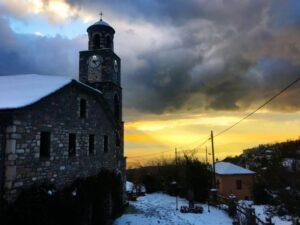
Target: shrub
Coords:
[(260, 195), (93, 200), (189, 173)]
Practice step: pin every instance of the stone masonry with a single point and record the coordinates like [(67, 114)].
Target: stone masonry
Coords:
[(59, 115)]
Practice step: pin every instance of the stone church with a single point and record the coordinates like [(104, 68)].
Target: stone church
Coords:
[(57, 129)]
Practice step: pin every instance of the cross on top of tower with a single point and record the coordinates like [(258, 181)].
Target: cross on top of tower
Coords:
[(101, 14)]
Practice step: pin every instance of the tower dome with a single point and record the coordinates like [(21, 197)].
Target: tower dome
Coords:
[(100, 25)]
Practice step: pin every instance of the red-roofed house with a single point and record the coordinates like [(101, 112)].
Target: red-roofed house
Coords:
[(234, 180)]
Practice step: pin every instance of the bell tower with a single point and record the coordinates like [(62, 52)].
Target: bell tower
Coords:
[(100, 67)]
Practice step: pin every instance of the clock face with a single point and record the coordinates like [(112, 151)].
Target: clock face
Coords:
[(95, 61), (116, 67), (95, 68)]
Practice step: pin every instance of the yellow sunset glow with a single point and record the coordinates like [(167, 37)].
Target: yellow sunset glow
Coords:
[(194, 120), (147, 140)]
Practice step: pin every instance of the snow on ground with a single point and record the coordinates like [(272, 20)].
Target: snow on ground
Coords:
[(159, 209), (261, 212)]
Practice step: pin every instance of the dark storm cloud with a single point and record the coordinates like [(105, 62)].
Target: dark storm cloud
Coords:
[(223, 55), (178, 12), (224, 69)]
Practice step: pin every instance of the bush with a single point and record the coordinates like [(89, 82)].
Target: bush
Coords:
[(93, 200), (189, 173), (260, 194)]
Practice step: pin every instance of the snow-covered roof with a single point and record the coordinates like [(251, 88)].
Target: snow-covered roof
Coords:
[(18, 91), (226, 168)]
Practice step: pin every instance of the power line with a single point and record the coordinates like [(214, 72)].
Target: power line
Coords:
[(150, 154), (158, 153), (203, 143), (230, 127), (190, 144), (198, 146), (248, 115), (260, 107)]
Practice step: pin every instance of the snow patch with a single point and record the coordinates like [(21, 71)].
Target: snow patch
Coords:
[(129, 186), (160, 209), (261, 212)]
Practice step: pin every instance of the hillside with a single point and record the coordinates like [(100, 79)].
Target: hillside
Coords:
[(277, 168)]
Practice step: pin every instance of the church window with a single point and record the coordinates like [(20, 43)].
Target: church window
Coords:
[(108, 41), (45, 141), (116, 107), (96, 41), (91, 144), (72, 144), (118, 141), (82, 108), (105, 143)]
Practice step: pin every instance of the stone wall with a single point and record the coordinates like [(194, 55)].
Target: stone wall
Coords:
[(2, 154), (59, 114)]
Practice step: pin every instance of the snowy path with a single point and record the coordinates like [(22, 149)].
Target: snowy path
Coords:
[(159, 209)]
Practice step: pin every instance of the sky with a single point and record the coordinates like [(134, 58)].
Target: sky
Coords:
[(188, 67)]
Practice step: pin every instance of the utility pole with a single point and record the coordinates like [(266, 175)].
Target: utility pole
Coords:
[(206, 160), (176, 157), (213, 158), (176, 185)]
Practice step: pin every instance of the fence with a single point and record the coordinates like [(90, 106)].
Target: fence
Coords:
[(240, 214)]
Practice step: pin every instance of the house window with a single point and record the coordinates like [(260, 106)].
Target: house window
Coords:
[(82, 108), (105, 143), (218, 183), (91, 144), (45, 142), (238, 184), (72, 144)]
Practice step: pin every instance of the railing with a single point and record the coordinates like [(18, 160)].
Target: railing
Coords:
[(249, 215), (241, 215)]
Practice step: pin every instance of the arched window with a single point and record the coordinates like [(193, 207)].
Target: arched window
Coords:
[(96, 41), (118, 140), (108, 41), (117, 107)]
